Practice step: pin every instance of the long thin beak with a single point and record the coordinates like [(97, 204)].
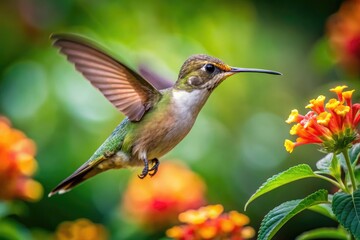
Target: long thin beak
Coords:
[(238, 70)]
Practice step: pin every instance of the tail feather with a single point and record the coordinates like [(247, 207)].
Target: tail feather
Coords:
[(74, 179)]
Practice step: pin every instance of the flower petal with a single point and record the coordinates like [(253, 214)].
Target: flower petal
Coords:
[(293, 117), (289, 145)]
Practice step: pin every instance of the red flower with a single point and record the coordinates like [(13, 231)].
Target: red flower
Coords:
[(333, 126), (17, 164), (155, 202), (344, 35)]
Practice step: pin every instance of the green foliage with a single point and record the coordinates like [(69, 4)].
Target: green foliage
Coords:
[(325, 233), (330, 164), (292, 174), (10, 230), (324, 164), (343, 206), (324, 209), (354, 154), (277, 217), (4, 210), (346, 208)]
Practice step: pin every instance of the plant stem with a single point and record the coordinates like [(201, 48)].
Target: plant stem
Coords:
[(336, 173), (350, 168), (341, 186)]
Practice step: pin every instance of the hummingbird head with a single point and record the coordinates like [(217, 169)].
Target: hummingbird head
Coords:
[(205, 72)]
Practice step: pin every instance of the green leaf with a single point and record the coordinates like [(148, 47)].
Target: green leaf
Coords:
[(324, 164), (324, 209), (354, 153), (292, 174), (325, 233), (346, 208), (278, 216), (357, 173), (331, 165)]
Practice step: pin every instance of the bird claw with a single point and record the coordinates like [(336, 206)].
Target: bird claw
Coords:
[(152, 171), (155, 167), (142, 175)]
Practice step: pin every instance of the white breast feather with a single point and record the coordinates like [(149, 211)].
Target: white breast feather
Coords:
[(186, 102)]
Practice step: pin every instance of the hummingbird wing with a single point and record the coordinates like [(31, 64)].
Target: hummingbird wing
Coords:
[(124, 88)]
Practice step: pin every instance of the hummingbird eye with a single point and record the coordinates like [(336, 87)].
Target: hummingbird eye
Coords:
[(210, 68)]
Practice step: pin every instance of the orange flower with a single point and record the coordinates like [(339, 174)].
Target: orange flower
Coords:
[(81, 229), (333, 125), (201, 215), (17, 164), (155, 202), (344, 35), (213, 225)]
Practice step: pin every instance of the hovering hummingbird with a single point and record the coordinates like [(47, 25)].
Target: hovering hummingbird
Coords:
[(156, 119)]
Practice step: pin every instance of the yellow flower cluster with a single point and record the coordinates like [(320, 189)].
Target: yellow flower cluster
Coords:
[(332, 125)]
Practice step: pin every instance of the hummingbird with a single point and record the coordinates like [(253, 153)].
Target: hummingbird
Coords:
[(157, 118)]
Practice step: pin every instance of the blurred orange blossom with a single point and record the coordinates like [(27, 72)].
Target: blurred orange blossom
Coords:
[(155, 202), (17, 164), (80, 229), (343, 29)]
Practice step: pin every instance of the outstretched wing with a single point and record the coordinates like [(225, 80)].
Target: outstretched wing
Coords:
[(124, 88)]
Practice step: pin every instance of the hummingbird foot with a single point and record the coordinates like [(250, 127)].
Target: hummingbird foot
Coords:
[(145, 170), (152, 171), (155, 167)]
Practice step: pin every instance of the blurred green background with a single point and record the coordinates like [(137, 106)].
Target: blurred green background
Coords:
[(237, 141)]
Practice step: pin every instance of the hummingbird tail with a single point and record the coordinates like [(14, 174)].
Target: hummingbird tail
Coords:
[(74, 179)]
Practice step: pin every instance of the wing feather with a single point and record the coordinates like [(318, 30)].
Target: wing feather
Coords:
[(124, 88)]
